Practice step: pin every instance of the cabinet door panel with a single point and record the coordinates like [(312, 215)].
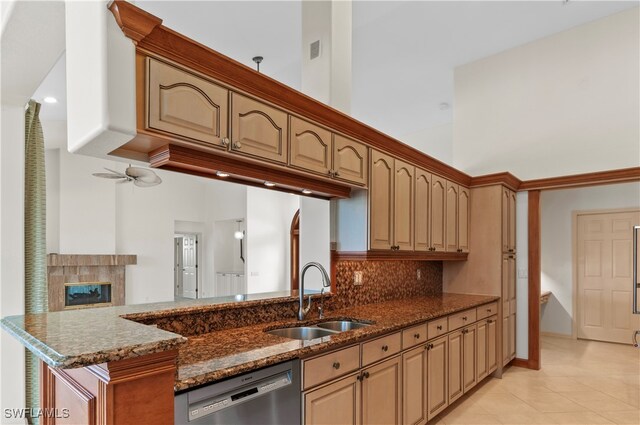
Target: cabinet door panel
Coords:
[(310, 146), (505, 219), (422, 208), (469, 366), (403, 205), (512, 221), (437, 366), (438, 212), (257, 129), (463, 219), (335, 404), (505, 285), (456, 387), (350, 160), (451, 220), (382, 393), (481, 351), (512, 336), (492, 357), (381, 201), (182, 104), (414, 386), (505, 340)]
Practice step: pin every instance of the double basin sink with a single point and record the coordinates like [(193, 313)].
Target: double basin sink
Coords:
[(318, 331)]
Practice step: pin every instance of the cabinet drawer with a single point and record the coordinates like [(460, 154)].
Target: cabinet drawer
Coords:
[(437, 328), (381, 348), (487, 310), (414, 336), (461, 319), (330, 366)]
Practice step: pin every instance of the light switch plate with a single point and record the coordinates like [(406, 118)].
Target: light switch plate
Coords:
[(357, 278)]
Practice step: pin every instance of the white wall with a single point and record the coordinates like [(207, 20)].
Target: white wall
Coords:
[(269, 216), (436, 141), (314, 239), (561, 105), (557, 243)]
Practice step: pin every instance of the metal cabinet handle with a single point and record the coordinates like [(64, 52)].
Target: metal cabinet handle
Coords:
[(439, 327), (366, 374), (489, 321), (385, 348), (635, 271), (635, 339), (336, 365), (336, 174), (488, 310), (224, 141), (464, 318), (237, 145), (416, 336), (359, 378)]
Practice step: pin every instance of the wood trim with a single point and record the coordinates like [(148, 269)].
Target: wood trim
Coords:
[(506, 179), (534, 279), (134, 22), (164, 42), (294, 240), (518, 362), (205, 164), (581, 180), (557, 335), (399, 256)]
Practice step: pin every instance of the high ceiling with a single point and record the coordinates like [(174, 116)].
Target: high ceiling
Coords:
[(404, 53)]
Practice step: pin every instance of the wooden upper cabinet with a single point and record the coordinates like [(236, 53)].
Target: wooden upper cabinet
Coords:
[(422, 208), (186, 106), (257, 129), (438, 212), (463, 219), (381, 201), (310, 146), (512, 222), (403, 205), (350, 160), (451, 221)]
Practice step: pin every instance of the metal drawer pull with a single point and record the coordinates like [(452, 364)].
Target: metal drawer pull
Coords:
[(488, 310), (635, 339), (385, 348), (416, 336), (489, 321), (237, 145), (336, 365), (464, 318), (224, 141), (439, 327), (366, 374)]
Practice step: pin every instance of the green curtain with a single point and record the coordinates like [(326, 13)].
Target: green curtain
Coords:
[(35, 244)]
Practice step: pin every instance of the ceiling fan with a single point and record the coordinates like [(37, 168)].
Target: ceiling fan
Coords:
[(141, 177)]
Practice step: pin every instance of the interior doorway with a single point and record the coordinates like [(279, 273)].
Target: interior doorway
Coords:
[(186, 266), (604, 269)]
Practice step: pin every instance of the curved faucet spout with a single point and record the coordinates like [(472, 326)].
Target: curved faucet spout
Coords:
[(326, 282)]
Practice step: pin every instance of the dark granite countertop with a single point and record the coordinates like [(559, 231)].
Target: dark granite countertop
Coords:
[(77, 338)]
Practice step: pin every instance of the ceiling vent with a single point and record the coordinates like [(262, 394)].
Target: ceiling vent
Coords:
[(314, 49)]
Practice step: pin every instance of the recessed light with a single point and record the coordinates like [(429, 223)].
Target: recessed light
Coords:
[(269, 184), (222, 174), (307, 191), (50, 99)]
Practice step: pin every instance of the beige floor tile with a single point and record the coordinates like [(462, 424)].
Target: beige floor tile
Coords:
[(551, 403), (630, 396), (598, 401), (503, 403), (563, 383), (526, 418), (468, 419), (579, 418), (626, 417)]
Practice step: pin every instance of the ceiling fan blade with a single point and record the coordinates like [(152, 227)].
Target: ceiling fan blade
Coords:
[(109, 176), (137, 172), (142, 183), (124, 176)]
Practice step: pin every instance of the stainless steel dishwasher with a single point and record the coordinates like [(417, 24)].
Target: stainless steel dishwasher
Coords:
[(266, 396)]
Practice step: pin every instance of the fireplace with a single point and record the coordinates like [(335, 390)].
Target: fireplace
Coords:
[(83, 281), (87, 294)]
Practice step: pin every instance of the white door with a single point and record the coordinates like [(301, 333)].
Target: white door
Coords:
[(177, 266), (190, 266), (604, 256)]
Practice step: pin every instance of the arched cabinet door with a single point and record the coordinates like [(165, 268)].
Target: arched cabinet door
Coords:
[(310, 147), (381, 201), (350, 160), (403, 205), (422, 206), (257, 129), (184, 105)]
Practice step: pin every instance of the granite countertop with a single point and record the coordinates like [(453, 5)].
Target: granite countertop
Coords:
[(76, 338), (217, 355)]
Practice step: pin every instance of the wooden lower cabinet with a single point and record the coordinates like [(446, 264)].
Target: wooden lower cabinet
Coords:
[(414, 386), (482, 350), (456, 388), (492, 354), (469, 357), (382, 393), (505, 340), (437, 380), (335, 404)]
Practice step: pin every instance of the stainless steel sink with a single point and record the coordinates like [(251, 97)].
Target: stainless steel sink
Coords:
[(302, 332), (342, 325)]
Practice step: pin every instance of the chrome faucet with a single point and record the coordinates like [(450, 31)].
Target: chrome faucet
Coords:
[(326, 282)]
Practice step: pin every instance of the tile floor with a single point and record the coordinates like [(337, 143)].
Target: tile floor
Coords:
[(581, 383)]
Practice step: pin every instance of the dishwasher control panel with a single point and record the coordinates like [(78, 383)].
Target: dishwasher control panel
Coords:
[(223, 401)]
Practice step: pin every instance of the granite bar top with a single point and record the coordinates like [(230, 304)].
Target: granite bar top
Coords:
[(217, 355), (77, 338)]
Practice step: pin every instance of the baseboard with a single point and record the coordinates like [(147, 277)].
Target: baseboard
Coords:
[(556, 335), (519, 363)]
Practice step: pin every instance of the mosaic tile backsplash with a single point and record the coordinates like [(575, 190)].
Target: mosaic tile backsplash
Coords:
[(382, 281)]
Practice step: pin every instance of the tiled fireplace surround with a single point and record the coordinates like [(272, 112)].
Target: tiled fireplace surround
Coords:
[(382, 281)]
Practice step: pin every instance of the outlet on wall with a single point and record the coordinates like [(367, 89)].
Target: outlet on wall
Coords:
[(419, 274), (357, 278)]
